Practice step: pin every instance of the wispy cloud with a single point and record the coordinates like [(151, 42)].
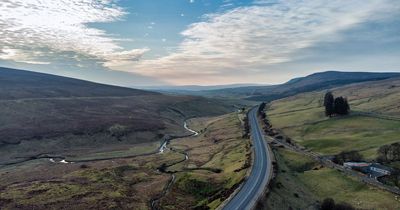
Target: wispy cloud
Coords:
[(246, 39), (235, 44), (29, 26)]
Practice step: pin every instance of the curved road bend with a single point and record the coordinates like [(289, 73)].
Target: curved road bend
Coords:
[(259, 177)]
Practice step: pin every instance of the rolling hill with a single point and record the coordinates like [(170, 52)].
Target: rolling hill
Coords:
[(374, 120), (18, 84), (47, 114), (192, 89), (313, 82)]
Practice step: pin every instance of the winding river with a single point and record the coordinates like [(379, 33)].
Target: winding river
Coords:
[(155, 201)]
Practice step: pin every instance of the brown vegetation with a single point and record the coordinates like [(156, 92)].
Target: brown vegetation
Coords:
[(214, 169), (80, 115)]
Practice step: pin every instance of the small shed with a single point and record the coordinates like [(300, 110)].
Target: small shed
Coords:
[(378, 170), (375, 170), (352, 165)]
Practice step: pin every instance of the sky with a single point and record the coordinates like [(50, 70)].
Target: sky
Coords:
[(198, 42)]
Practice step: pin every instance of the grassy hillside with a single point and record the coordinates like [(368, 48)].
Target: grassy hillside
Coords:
[(314, 82), (302, 184), (45, 114), (374, 121)]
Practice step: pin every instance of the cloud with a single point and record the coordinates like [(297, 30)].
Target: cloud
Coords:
[(245, 40), (232, 45), (124, 57), (20, 55), (27, 27)]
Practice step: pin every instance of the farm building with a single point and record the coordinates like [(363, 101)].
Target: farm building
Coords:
[(378, 170), (371, 169), (351, 165)]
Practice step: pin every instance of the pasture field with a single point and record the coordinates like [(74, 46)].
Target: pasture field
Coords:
[(302, 184), (374, 121)]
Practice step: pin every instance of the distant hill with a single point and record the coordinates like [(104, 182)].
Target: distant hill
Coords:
[(17, 84), (47, 114), (193, 88), (313, 82), (375, 97)]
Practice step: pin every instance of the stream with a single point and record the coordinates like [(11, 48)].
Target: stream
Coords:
[(163, 147), (155, 201)]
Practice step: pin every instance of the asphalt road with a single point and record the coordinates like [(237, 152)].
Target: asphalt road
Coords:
[(259, 177)]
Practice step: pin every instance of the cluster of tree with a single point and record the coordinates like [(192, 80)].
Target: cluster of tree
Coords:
[(392, 179), (329, 204), (335, 106), (268, 126), (351, 156), (261, 108), (388, 153), (163, 168), (118, 131), (261, 111), (246, 132)]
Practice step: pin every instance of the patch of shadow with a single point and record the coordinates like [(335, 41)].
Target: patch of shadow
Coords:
[(37, 192)]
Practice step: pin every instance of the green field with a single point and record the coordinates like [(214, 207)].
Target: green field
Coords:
[(302, 118), (302, 183)]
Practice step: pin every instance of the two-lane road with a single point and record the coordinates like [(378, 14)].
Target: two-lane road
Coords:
[(261, 171)]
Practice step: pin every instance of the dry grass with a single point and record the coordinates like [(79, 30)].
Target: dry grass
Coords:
[(130, 183), (220, 147), (121, 183), (64, 126)]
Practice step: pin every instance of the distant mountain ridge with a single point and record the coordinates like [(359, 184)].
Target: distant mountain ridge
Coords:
[(193, 88), (313, 82), (17, 84)]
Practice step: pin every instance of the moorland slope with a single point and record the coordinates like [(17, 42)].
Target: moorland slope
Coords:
[(46, 114)]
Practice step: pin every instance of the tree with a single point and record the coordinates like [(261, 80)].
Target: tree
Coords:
[(118, 131), (350, 156), (328, 204), (383, 152), (341, 106), (261, 108), (329, 104), (246, 133), (388, 153), (395, 177), (163, 168), (346, 105)]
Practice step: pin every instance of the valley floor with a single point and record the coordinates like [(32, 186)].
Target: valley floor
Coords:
[(206, 169)]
